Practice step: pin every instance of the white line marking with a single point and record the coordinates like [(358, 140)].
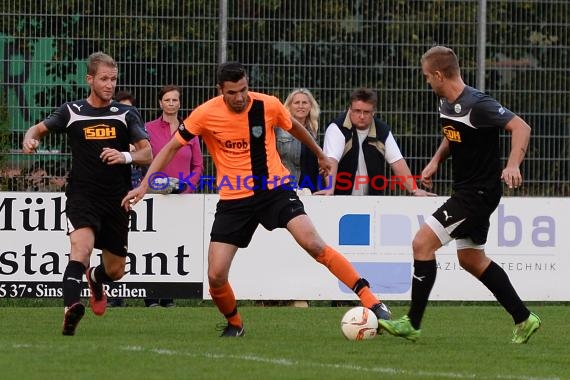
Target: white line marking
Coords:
[(290, 363), (295, 363)]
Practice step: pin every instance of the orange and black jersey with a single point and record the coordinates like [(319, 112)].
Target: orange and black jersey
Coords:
[(472, 125), (242, 145), (89, 130)]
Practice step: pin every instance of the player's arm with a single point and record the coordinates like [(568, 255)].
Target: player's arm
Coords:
[(330, 179), (440, 155), (402, 175), (402, 171), (33, 136), (300, 133), (162, 158), (442, 152), (158, 163), (142, 155), (520, 136)]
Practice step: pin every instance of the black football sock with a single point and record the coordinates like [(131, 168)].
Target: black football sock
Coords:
[(101, 276), (72, 281), (422, 283), (497, 281)]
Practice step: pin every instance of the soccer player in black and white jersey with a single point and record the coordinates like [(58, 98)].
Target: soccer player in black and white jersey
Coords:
[(471, 122), (99, 131)]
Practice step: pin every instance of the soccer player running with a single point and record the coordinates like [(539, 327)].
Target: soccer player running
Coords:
[(471, 123), (99, 131), (238, 129)]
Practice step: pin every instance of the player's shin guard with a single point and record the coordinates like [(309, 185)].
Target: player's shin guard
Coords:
[(345, 272), (226, 303), (422, 283), (72, 281), (101, 275), (362, 289), (497, 281)]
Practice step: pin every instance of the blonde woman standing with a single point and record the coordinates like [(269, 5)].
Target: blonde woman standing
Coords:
[(296, 157)]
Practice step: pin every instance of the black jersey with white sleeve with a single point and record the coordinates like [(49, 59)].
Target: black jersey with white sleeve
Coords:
[(472, 124), (89, 130)]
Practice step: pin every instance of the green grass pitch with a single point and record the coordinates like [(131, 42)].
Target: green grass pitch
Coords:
[(457, 342)]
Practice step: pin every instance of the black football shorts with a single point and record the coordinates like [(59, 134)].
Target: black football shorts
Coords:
[(237, 219), (108, 219), (465, 215)]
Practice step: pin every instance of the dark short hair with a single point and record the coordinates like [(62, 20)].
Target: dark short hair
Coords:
[(125, 95), (365, 95), (230, 72), (168, 88)]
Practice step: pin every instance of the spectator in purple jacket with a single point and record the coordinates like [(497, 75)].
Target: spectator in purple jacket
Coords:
[(187, 165)]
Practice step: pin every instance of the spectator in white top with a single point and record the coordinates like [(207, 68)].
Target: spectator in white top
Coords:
[(362, 146)]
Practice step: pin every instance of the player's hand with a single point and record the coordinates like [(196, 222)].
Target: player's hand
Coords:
[(512, 177), (112, 157), (133, 197), (325, 165), (30, 146), (324, 192), (427, 173), (329, 187), (423, 193)]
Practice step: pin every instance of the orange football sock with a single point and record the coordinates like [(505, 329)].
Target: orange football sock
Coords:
[(345, 272), (367, 298), (226, 302)]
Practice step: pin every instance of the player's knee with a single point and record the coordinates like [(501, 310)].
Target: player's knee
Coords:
[(473, 264), (418, 247), (463, 263), (81, 255), (216, 279), (115, 274), (315, 248), (424, 246), (469, 266), (215, 282), (313, 244)]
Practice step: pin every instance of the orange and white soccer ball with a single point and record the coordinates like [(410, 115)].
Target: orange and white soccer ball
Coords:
[(359, 323)]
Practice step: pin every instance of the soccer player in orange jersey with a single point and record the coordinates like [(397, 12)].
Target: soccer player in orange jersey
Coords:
[(238, 129)]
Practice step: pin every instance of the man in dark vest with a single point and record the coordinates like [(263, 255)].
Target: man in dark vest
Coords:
[(362, 146)]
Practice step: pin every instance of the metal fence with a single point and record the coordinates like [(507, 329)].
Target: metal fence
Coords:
[(516, 50)]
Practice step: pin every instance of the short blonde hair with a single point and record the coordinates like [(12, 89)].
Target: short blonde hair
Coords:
[(97, 59), (443, 59), (314, 112)]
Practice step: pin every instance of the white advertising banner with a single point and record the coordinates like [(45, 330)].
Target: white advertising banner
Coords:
[(527, 239), (165, 253), (168, 247)]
